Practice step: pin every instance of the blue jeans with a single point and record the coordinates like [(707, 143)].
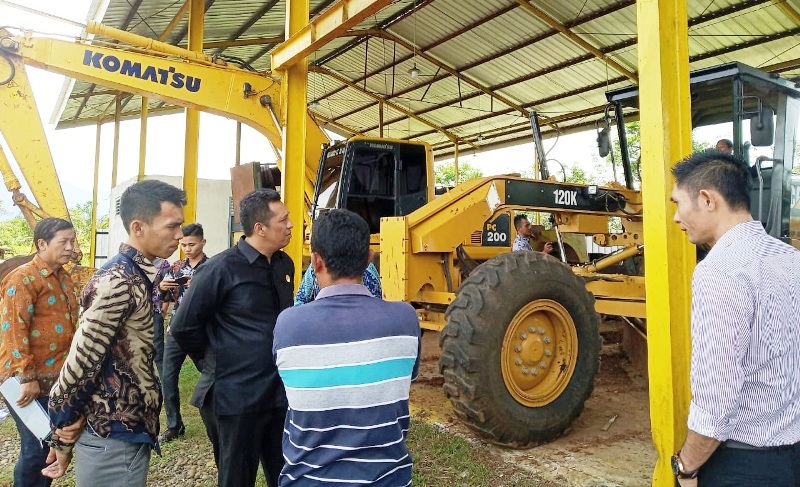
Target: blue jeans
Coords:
[(32, 455)]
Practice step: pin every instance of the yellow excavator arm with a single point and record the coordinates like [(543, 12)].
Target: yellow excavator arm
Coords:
[(24, 134), (160, 71)]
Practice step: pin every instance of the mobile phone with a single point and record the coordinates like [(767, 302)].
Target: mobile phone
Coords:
[(182, 280)]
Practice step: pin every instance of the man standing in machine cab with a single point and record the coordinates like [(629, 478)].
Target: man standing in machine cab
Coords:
[(526, 231), (744, 417)]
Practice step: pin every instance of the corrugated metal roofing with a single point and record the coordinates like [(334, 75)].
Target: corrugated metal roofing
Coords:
[(495, 46)]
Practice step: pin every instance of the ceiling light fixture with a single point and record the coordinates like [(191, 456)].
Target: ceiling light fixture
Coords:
[(313, 105), (414, 72)]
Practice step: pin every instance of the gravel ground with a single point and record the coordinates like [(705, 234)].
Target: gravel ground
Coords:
[(186, 462)]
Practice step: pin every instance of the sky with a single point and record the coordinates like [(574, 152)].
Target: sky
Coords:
[(73, 149)]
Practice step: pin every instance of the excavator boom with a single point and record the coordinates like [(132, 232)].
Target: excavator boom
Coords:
[(169, 74)]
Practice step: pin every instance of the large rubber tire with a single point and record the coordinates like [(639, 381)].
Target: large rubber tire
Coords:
[(520, 349)]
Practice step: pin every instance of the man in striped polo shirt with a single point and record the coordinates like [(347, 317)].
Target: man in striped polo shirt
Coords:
[(347, 361), (744, 417)]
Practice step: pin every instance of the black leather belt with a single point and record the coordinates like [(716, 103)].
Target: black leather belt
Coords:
[(738, 445)]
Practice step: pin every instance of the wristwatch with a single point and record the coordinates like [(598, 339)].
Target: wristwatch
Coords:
[(678, 470)]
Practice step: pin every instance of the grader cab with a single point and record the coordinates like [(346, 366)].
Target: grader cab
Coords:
[(520, 331)]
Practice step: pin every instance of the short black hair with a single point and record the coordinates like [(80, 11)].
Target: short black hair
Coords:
[(518, 220), (47, 229), (193, 230), (716, 170), (341, 238), (143, 200), (254, 207), (726, 142)]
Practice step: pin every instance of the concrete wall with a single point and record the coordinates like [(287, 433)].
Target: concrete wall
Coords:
[(213, 210)]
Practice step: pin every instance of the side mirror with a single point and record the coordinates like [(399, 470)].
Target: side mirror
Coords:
[(604, 142), (762, 128)]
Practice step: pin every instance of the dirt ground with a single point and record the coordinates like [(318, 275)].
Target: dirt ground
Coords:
[(596, 451)]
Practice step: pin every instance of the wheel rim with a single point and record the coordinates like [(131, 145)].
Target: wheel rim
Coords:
[(539, 352)]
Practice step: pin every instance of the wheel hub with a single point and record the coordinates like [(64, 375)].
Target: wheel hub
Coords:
[(539, 353)]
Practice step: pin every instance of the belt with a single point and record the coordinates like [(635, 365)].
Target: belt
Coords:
[(738, 445)]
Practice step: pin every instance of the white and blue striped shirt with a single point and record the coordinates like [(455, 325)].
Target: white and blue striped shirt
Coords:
[(745, 373), (347, 360)]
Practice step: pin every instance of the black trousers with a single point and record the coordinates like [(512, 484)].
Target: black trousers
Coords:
[(242, 441), (158, 341), (734, 467)]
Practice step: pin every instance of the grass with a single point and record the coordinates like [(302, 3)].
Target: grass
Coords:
[(440, 457)]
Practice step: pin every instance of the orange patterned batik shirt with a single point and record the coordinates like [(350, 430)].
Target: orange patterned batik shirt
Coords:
[(38, 313)]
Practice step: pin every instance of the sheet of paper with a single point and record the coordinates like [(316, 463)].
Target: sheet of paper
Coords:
[(33, 415)]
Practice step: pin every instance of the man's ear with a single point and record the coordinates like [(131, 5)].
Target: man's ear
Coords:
[(370, 256), (708, 200), (136, 229), (317, 263)]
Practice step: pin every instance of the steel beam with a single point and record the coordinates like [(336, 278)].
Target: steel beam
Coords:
[(790, 11), (144, 114), (666, 130), (93, 221), (379, 98), (294, 88), (566, 32), (343, 15), (197, 10)]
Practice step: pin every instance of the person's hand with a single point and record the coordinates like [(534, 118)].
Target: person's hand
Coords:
[(70, 434), (166, 284), (688, 482), (57, 463), (29, 391), (188, 281), (548, 247)]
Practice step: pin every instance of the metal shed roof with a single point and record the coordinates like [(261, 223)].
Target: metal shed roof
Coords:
[(483, 65)]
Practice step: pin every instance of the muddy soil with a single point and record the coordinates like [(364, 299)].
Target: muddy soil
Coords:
[(608, 445)]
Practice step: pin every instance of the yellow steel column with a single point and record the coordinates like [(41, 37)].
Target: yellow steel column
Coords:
[(93, 222), (669, 258), (143, 137), (115, 155), (238, 144), (455, 163), (380, 119), (196, 17), (294, 88)]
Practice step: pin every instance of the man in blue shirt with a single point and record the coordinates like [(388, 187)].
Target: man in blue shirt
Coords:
[(346, 360)]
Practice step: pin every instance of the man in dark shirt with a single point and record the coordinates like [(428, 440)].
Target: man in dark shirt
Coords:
[(172, 287), (227, 319)]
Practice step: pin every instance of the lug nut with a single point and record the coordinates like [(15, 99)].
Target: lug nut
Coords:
[(523, 335), (541, 331), (518, 348), (547, 352), (535, 371), (518, 362), (524, 371), (547, 339), (543, 364), (532, 329)]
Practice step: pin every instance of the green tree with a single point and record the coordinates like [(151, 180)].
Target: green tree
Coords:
[(633, 135), (16, 236), (446, 173), (81, 216)]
